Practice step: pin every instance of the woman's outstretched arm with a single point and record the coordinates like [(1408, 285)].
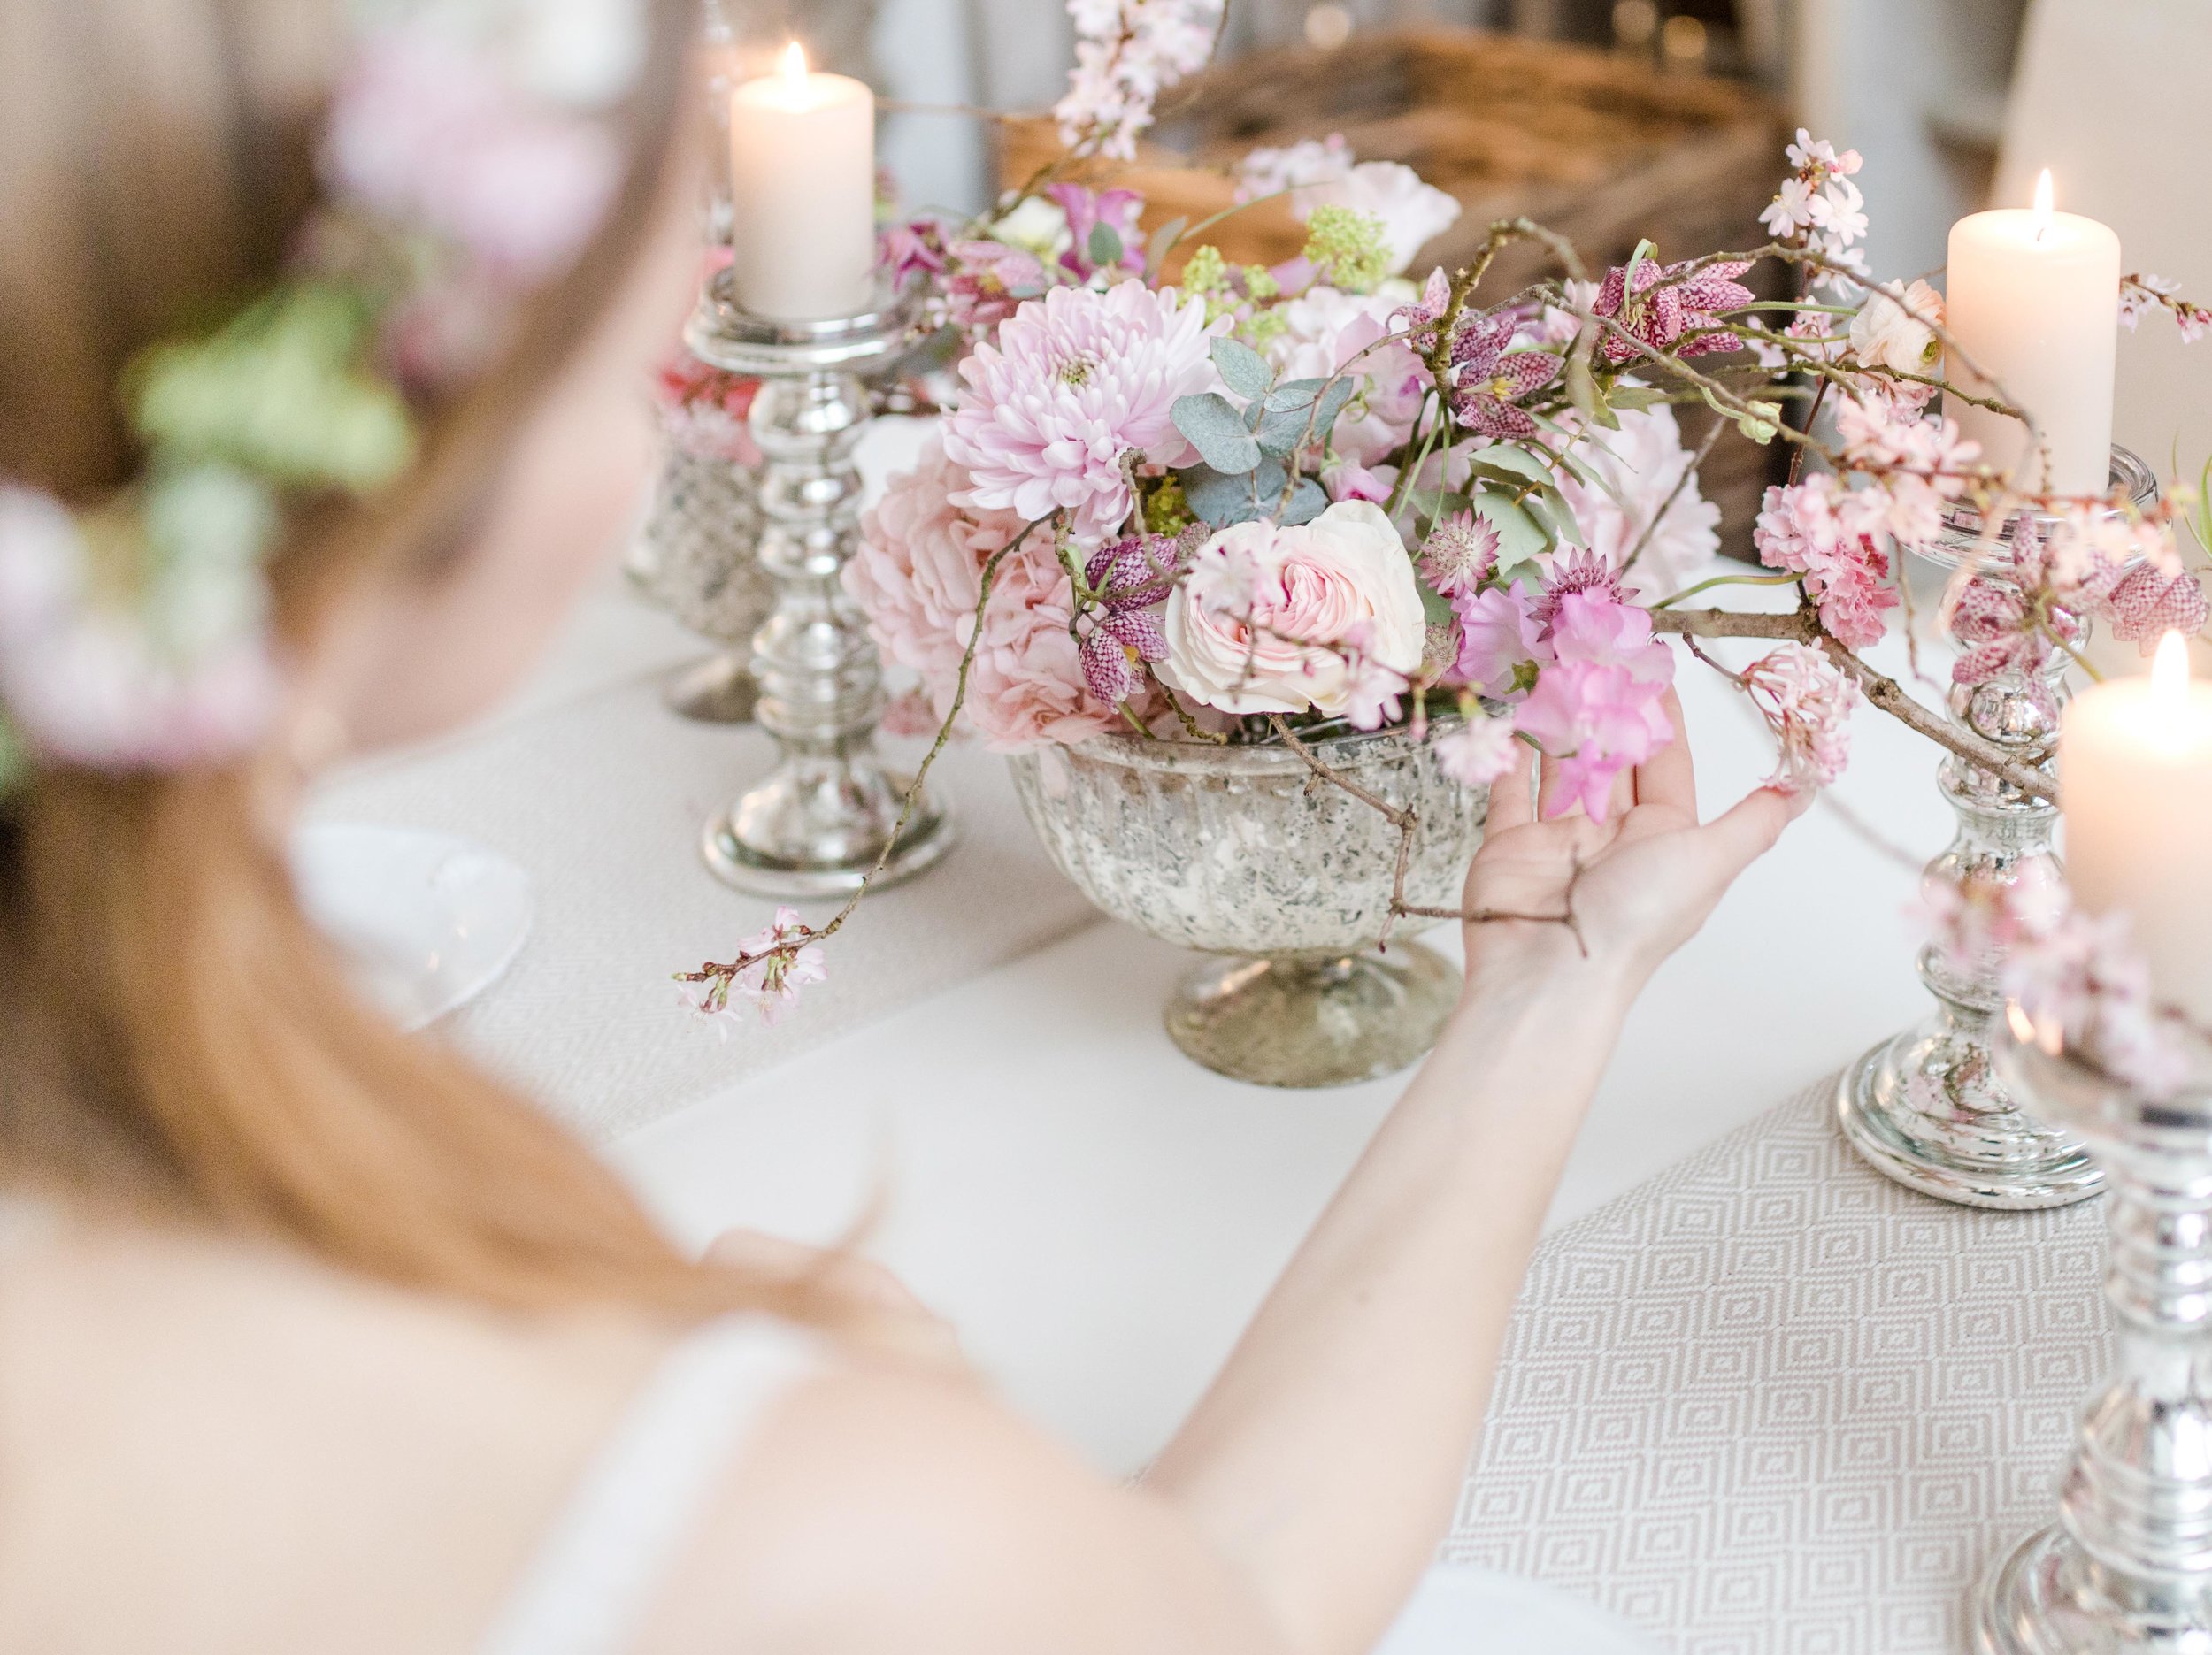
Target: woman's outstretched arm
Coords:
[(1309, 1487)]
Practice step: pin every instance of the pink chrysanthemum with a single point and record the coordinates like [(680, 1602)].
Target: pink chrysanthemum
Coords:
[(1077, 383)]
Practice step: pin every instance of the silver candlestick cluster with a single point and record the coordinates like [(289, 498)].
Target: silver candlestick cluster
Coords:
[(2127, 1569), (829, 811), (1927, 1106)]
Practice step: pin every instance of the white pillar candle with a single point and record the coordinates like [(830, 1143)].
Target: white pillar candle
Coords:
[(803, 193), (2135, 765), (2032, 298)]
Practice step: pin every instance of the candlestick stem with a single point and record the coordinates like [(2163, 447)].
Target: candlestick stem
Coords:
[(2127, 1566), (817, 823), (1926, 1107)]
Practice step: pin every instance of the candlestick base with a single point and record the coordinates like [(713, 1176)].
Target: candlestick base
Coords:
[(826, 819), (1927, 1107)]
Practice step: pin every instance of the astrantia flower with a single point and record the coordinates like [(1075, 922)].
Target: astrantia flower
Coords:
[(1637, 472), (1575, 573), (1460, 554), (1077, 383), (1667, 309), (1809, 701), (1799, 530), (1478, 752), (1489, 379)]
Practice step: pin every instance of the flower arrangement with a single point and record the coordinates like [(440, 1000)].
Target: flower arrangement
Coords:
[(1236, 504)]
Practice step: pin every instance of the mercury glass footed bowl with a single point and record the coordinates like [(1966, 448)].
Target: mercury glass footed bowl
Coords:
[(1244, 853)]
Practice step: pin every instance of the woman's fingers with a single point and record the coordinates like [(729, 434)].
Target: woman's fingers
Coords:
[(1747, 830), (1668, 776), (1513, 795)]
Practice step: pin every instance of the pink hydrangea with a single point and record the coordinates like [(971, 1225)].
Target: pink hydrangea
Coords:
[(918, 572), (1596, 707), (1808, 702), (1078, 384), (1800, 529)]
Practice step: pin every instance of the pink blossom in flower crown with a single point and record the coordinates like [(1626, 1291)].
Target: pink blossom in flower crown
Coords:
[(1500, 645), (1637, 472), (1078, 384), (1478, 752), (1087, 209), (427, 129), (918, 572), (1799, 530), (1668, 309), (1808, 700), (1326, 329), (1460, 554), (1489, 379)]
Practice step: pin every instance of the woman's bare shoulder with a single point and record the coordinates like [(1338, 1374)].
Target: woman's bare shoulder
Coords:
[(271, 1453)]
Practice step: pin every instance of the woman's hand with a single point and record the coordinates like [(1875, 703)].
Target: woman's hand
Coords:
[(1623, 893)]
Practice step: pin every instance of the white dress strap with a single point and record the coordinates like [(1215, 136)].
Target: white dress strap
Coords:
[(592, 1584)]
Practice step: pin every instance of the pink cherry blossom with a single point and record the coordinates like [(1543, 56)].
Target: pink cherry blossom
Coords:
[(771, 981), (1799, 530), (1807, 701), (1078, 384), (1477, 752)]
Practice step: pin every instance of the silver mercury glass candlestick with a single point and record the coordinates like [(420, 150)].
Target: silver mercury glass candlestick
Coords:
[(818, 822), (2127, 1568), (1927, 1106)]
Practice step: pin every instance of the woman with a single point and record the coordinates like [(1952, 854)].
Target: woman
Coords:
[(313, 1337)]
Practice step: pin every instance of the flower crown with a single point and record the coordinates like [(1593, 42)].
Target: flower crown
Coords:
[(468, 156)]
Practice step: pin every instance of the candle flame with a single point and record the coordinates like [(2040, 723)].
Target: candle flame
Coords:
[(794, 66), (2170, 673), (2042, 202), (2023, 1025)]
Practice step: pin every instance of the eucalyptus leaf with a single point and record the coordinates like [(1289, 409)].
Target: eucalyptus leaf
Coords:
[(1218, 501), (1268, 478), (1333, 400), (1242, 368), (1294, 393), (1104, 246), (1216, 430), (1308, 501), (1278, 433)]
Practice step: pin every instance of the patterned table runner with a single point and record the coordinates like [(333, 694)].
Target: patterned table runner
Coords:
[(603, 800), (1771, 1404)]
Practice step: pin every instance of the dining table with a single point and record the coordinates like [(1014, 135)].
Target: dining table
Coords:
[(1755, 1399)]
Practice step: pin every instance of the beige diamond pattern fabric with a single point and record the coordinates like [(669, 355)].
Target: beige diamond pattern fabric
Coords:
[(603, 799), (1771, 1404)]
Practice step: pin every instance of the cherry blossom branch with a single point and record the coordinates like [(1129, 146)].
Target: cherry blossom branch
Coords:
[(723, 973)]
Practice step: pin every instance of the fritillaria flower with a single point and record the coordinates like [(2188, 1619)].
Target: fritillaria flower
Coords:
[(1669, 309), (1131, 578), (1489, 379)]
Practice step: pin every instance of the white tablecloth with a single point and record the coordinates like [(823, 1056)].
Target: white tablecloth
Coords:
[(987, 1073)]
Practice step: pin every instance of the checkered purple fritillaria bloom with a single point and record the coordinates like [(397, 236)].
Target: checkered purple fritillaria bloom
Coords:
[(1489, 378), (1661, 316), (1131, 578)]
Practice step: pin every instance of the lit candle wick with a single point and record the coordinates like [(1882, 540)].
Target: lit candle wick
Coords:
[(795, 71), (2042, 209)]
